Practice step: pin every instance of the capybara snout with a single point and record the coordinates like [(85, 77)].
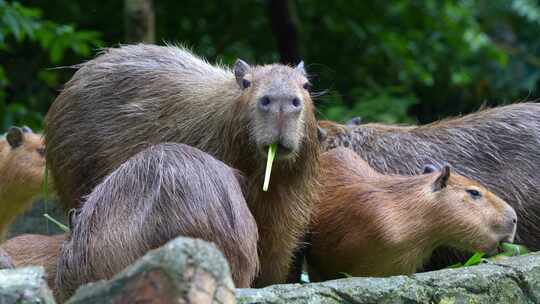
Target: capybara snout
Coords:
[(508, 226)]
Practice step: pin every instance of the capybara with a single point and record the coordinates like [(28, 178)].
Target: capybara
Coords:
[(370, 224), (36, 250), (135, 96), (160, 193), (22, 168), (498, 147)]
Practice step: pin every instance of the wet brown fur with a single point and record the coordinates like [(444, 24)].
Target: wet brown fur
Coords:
[(370, 224), (163, 192), (21, 177), (132, 97)]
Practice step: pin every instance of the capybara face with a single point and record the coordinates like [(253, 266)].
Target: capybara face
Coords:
[(27, 155), (278, 98), (480, 220)]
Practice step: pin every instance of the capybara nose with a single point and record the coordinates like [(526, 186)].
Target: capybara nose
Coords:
[(510, 224), (286, 104)]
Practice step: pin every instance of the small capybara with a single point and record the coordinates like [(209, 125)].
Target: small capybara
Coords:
[(160, 193), (22, 167), (498, 147), (131, 97), (370, 224), (35, 250)]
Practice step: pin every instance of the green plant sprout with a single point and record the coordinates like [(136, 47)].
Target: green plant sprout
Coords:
[(509, 250), (271, 155), (60, 225)]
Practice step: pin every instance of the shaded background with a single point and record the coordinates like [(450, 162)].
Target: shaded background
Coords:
[(391, 61)]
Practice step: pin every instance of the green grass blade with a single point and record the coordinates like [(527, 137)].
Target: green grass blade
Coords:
[(475, 259), (46, 193), (60, 225), (271, 155), (514, 249), (456, 265)]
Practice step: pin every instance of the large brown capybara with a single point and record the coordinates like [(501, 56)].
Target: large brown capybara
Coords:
[(22, 168), (36, 250), (498, 147), (162, 192), (370, 224), (135, 96)]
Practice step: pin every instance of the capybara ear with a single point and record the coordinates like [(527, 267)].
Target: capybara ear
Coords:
[(241, 68), (14, 137), (442, 180), (300, 68), (26, 129), (73, 216), (429, 169), (321, 134), (355, 121)]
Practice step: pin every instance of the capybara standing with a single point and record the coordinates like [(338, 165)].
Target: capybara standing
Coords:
[(22, 168), (165, 191), (498, 147), (370, 224), (36, 250), (135, 96)]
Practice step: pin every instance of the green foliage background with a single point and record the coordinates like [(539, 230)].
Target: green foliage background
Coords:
[(390, 61)]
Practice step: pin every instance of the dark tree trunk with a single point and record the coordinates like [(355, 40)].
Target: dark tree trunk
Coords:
[(139, 21), (283, 22)]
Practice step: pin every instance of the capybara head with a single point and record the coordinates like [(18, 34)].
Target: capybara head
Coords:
[(475, 218), (278, 98), (23, 158)]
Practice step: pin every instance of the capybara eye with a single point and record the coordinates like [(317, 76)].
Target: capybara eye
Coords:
[(265, 101), (307, 86), (41, 151), (474, 193), (245, 83), (296, 102)]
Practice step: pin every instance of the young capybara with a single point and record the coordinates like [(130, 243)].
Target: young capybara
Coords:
[(370, 224), (35, 250), (22, 167), (160, 193), (497, 147), (135, 96)]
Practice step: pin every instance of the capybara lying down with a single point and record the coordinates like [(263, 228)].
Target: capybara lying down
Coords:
[(35, 250), (22, 167), (163, 192), (370, 224), (135, 96), (498, 147)]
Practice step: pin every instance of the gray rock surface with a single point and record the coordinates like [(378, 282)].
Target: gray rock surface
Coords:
[(182, 271), (24, 286), (516, 280)]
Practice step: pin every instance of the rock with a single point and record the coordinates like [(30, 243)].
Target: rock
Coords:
[(24, 285), (182, 271), (515, 280)]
